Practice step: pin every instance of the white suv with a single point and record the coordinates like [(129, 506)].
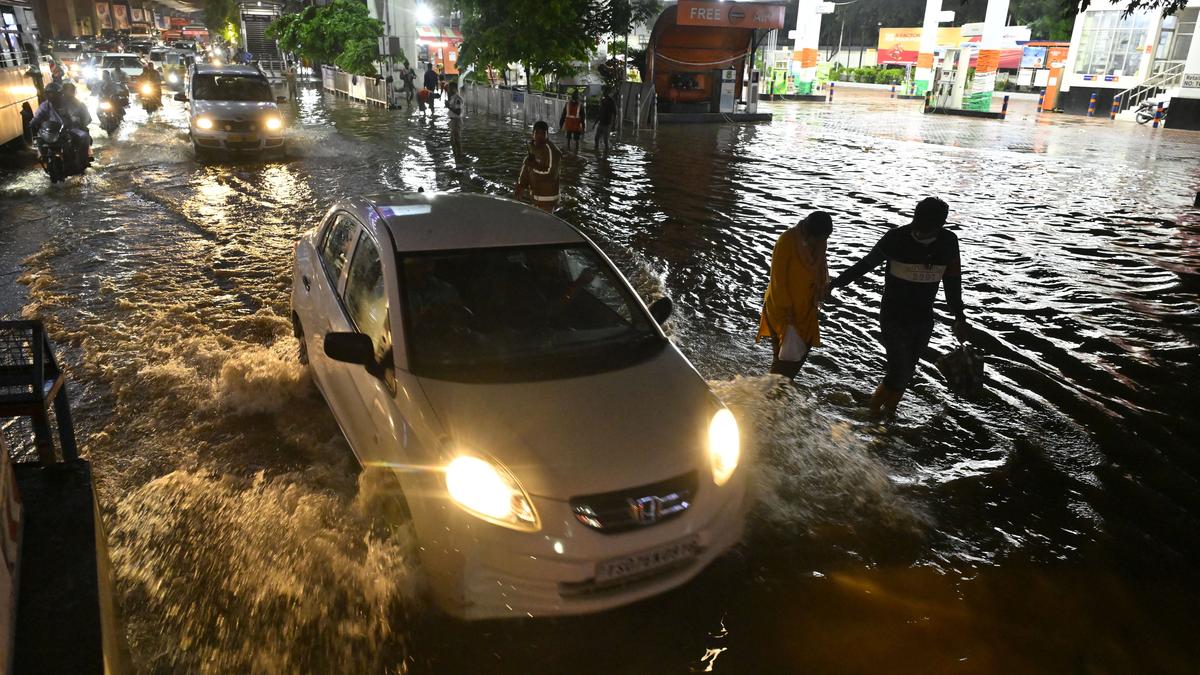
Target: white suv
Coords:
[(233, 110), (556, 453)]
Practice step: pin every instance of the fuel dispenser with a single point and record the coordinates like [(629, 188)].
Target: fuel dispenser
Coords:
[(752, 93)]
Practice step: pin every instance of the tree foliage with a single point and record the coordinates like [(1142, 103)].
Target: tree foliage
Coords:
[(341, 33), (220, 14), (548, 36)]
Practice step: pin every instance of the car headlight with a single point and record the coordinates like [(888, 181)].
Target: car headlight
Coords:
[(487, 490), (724, 445), (204, 123), (172, 78), (273, 123), (105, 105)]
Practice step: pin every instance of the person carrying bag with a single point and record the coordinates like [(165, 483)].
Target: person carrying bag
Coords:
[(791, 306)]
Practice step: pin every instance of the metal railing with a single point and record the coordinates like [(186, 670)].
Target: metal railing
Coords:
[(372, 90), (514, 105), (1157, 83)]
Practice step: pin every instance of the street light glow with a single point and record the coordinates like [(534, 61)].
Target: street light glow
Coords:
[(424, 14)]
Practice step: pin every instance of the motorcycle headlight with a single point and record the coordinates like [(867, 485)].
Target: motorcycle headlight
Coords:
[(147, 89), (274, 123), (488, 491), (105, 105), (204, 123), (172, 78), (724, 445)]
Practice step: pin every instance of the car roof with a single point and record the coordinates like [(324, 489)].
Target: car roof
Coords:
[(433, 221), (210, 69)]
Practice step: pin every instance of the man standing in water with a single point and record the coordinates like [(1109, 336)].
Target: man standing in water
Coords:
[(919, 257), (539, 172), (454, 109)]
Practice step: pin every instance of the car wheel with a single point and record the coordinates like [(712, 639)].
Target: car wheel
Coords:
[(302, 346)]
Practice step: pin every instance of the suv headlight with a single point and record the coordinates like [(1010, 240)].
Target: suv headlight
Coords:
[(488, 491), (204, 123), (724, 445), (273, 123)]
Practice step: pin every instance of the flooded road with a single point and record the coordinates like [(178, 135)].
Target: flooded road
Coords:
[(1050, 525)]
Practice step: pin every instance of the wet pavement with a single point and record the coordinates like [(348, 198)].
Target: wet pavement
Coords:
[(1050, 525)]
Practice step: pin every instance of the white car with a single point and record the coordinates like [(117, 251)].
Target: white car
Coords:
[(130, 64), (233, 110), (556, 453)]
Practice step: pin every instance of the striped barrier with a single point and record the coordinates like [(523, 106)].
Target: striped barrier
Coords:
[(1042, 101), (893, 92), (831, 87), (1158, 114), (1116, 107), (1092, 105), (1004, 109)]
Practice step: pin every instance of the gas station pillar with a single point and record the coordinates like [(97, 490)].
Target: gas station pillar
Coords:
[(988, 62), (804, 54), (929, 39)]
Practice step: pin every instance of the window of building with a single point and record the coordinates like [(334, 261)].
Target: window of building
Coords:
[(1110, 44)]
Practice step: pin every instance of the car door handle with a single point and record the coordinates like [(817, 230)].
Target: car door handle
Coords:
[(304, 280)]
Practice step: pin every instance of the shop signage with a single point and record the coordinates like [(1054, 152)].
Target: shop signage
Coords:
[(730, 14), (1191, 81)]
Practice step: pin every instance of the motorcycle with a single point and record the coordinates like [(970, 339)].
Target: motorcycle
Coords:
[(1146, 111), (150, 94), (110, 114), (55, 152)]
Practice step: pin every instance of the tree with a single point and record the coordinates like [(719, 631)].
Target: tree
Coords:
[(219, 15), (548, 36), (341, 33)]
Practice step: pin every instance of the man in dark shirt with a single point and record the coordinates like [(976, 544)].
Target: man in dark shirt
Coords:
[(919, 256), (608, 113)]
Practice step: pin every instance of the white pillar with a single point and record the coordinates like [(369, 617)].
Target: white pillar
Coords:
[(399, 21), (989, 57), (929, 30), (807, 37)]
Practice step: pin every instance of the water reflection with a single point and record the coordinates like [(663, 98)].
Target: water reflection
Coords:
[(1050, 525)]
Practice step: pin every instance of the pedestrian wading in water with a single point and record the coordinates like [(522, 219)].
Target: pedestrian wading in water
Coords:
[(920, 256), (799, 275)]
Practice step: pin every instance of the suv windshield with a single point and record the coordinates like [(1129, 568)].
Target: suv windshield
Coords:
[(208, 87), (519, 314), (120, 62)]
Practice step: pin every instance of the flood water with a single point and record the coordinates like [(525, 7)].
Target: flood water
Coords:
[(1051, 524)]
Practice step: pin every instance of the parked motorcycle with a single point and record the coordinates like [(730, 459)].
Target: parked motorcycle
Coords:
[(55, 152), (150, 94), (1146, 110)]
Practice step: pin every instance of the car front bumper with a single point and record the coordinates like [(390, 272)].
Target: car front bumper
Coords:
[(243, 142), (477, 570)]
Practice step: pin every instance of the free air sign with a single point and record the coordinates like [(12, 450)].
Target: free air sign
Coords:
[(730, 14)]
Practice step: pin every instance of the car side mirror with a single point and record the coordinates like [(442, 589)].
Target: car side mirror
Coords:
[(181, 97), (281, 99), (661, 310)]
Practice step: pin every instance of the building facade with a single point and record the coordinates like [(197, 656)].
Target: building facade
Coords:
[(1113, 55)]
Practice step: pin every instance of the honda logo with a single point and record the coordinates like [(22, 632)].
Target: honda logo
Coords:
[(645, 510)]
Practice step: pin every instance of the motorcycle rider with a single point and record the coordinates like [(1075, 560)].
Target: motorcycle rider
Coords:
[(61, 106), (152, 77)]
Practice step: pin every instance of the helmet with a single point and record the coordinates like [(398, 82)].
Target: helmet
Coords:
[(54, 88), (68, 88)]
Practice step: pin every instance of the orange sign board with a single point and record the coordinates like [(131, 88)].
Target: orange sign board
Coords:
[(730, 14)]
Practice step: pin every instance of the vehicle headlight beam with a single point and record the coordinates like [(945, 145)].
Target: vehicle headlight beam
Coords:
[(204, 123), (724, 445), (488, 491)]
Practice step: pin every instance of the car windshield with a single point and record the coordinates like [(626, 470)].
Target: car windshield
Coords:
[(231, 88), (121, 62), (520, 314)]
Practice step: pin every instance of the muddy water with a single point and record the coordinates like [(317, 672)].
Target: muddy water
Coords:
[(1051, 524)]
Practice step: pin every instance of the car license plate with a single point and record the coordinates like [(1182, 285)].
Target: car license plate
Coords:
[(638, 563), (234, 138)]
